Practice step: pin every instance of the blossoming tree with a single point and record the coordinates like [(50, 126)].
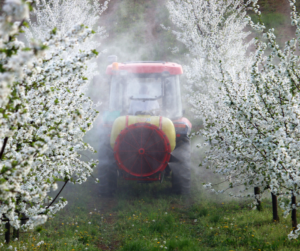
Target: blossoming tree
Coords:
[(213, 32), (251, 115), (48, 115), (265, 136), (12, 110)]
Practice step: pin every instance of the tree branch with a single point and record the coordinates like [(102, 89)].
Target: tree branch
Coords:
[(3, 147), (57, 194)]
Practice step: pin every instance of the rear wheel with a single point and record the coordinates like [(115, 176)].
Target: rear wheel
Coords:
[(108, 177), (107, 171), (181, 167)]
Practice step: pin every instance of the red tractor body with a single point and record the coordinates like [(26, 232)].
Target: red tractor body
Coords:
[(146, 128)]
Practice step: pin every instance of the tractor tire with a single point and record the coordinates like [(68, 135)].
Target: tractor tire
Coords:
[(181, 167), (108, 178), (107, 173)]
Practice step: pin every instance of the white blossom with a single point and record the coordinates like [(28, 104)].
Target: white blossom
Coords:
[(44, 112)]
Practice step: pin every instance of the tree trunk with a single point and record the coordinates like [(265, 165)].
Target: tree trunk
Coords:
[(275, 208), (7, 232), (16, 234), (257, 192), (23, 222), (294, 211)]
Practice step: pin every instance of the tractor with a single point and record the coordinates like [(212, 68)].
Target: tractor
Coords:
[(145, 135)]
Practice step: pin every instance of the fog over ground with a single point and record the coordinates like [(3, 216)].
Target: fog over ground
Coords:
[(135, 34)]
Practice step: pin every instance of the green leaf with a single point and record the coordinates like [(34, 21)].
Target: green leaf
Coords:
[(54, 31), (26, 24), (95, 52), (2, 181)]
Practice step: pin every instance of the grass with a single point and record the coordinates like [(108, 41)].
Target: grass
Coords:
[(148, 217)]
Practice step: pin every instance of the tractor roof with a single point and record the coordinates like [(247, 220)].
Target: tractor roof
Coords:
[(145, 67)]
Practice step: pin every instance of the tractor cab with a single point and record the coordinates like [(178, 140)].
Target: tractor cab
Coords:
[(145, 88)]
